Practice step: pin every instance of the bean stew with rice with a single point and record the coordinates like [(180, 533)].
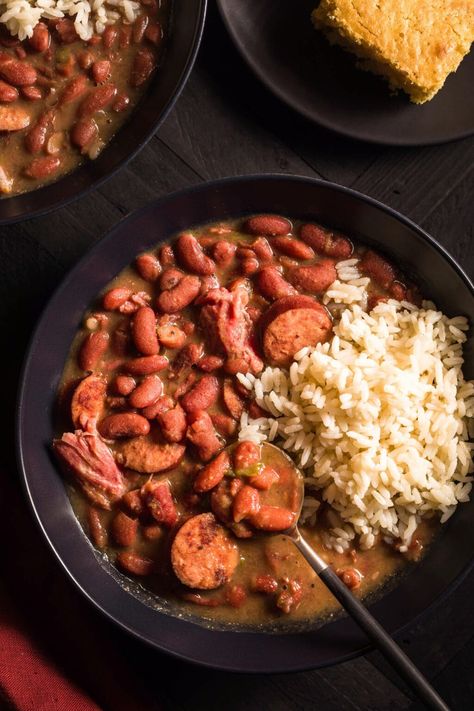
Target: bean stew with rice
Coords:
[(67, 84), (152, 400)]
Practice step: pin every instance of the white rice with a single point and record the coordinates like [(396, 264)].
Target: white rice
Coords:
[(21, 16), (378, 418)]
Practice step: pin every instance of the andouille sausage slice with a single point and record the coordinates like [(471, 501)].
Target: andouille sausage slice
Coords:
[(87, 402), (293, 330), (203, 554), (298, 301), (144, 455)]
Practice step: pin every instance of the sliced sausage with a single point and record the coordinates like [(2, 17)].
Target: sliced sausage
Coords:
[(203, 555), (316, 278), (291, 331), (299, 301), (203, 395), (147, 457), (87, 403)]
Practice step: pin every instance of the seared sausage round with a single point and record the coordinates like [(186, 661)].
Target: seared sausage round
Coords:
[(203, 555), (291, 331)]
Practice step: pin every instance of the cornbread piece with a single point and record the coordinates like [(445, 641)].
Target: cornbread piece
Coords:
[(414, 44)]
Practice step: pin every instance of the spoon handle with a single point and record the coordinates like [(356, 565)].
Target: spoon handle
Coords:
[(372, 628)]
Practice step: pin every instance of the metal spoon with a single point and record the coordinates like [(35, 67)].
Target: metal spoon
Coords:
[(381, 639)]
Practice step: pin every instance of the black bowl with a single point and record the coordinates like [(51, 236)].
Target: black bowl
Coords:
[(450, 557), (187, 23)]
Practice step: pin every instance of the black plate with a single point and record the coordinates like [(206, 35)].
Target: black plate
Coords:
[(187, 23), (351, 212), (321, 82)]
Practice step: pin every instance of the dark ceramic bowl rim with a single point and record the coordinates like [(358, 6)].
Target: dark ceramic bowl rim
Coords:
[(196, 189), (300, 107), (96, 183)]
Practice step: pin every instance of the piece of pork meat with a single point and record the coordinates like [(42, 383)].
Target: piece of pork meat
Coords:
[(90, 461)]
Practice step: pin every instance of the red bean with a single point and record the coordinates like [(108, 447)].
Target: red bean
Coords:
[(213, 473), (124, 384), (97, 530), (121, 103), (143, 65), (40, 39), (264, 479), (36, 137), (83, 133), (325, 242), (124, 529), (139, 27), (18, 73), (176, 299), (147, 392), (114, 298), (272, 285), (144, 331), (292, 247), (173, 424), (123, 424), (170, 336), (8, 93), (92, 349), (135, 564), (249, 266), (210, 362), (273, 518), (101, 71), (246, 455), (146, 365), (314, 279), (109, 36), (148, 266), (261, 248), (192, 257), (377, 268), (203, 395), (265, 584), (167, 256), (31, 93), (268, 225), (154, 33), (73, 90), (96, 100), (246, 503), (224, 253), (232, 399)]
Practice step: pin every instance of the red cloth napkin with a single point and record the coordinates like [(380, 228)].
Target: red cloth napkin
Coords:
[(57, 653)]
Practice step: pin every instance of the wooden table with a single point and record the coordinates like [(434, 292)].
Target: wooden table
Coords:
[(226, 123)]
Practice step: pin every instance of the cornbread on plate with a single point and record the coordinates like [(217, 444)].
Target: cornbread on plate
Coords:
[(415, 44)]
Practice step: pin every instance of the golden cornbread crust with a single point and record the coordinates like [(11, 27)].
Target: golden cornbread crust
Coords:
[(414, 44)]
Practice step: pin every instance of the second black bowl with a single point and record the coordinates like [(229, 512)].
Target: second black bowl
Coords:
[(187, 22)]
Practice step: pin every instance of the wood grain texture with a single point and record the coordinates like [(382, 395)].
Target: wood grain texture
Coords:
[(227, 123)]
